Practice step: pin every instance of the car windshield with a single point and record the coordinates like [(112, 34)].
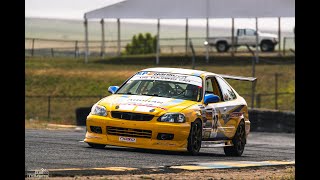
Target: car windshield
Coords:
[(164, 85)]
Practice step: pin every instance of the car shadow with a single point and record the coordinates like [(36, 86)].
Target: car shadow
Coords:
[(151, 151)]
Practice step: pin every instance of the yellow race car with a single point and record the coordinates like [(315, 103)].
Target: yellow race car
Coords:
[(171, 109)]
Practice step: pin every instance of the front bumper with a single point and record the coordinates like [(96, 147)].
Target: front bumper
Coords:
[(178, 143)]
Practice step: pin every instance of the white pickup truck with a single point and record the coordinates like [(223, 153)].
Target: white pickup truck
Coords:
[(244, 37)]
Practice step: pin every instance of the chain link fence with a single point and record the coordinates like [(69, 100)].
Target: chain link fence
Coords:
[(76, 48)]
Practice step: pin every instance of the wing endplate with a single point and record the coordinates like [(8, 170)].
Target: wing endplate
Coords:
[(241, 78)]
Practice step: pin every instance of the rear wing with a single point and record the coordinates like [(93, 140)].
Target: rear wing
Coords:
[(241, 78)]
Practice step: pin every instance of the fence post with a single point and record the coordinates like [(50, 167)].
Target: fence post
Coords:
[(102, 39), (279, 36), (32, 47), (232, 37), (193, 54), (119, 38), (276, 90), (258, 101), (52, 54), (75, 49), (49, 109), (187, 35), (284, 46)]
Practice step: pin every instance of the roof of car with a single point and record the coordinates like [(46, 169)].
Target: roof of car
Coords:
[(178, 70)]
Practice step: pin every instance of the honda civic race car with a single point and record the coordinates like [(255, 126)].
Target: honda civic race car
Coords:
[(171, 109)]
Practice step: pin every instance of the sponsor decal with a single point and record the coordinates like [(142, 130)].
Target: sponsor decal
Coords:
[(145, 102), (213, 134), (38, 174), (206, 134), (131, 106), (165, 144), (210, 117), (130, 81), (225, 117), (235, 114), (127, 139), (96, 137), (168, 77)]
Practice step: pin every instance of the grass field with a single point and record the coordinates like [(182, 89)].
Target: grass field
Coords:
[(72, 77)]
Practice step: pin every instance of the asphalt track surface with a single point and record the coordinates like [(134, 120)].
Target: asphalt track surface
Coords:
[(58, 149)]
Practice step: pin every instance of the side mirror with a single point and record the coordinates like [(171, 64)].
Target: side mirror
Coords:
[(113, 89), (211, 98)]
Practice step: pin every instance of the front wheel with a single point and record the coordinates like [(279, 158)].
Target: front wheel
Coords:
[(195, 138), (239, 141)]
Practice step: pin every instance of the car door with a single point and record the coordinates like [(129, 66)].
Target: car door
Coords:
[(250, 37), (210, 112), (241, 38), (219, 125), (246, 36)]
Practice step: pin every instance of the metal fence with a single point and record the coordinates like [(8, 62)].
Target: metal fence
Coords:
[(62, 108), (76, 48)]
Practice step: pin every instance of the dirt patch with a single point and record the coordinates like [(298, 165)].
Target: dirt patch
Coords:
[(274, 172)]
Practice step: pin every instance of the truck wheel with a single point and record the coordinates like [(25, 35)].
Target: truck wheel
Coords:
[(222, 47), (266, 46), (271, 47)]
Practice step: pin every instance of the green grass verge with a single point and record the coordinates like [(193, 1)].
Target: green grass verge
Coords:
[(72, 77)]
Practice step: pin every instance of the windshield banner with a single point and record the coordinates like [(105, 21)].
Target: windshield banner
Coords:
[(168, 77)]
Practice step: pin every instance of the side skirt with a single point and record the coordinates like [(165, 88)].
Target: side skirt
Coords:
[(213, 144)]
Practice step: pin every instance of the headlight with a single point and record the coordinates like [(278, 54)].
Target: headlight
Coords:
[(172, 117), (98, 110), (206, 43)]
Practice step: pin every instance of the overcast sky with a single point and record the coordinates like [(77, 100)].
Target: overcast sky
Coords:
[(75, 9), (62, 9)]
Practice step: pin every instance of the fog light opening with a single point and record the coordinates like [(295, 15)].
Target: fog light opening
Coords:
[(96, 129), (165, 136)]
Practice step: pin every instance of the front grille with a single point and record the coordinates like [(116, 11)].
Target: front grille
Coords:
[(118, 131), (131, 116)]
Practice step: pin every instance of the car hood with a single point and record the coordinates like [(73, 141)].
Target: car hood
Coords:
[(144, 104)]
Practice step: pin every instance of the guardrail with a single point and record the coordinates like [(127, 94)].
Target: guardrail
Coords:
[(63, 107)]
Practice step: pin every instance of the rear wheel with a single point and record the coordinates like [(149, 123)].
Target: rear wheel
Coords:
[(222, 47), (98, 146), (239, 141), (267, 46), (195, 138)]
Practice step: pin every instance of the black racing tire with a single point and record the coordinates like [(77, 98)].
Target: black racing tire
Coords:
[(222, 46), (271, 47), (195, 138), (239, 142), (97, 146), (267, 46)]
